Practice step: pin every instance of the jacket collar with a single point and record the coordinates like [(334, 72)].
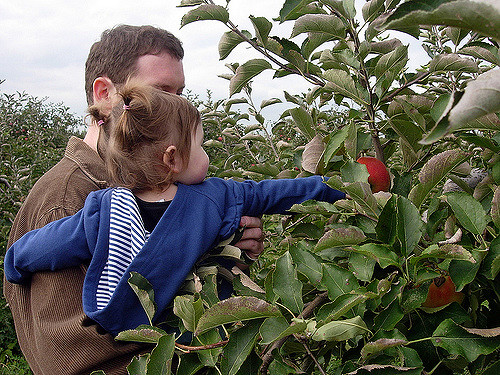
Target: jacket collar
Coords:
[(88, 160)]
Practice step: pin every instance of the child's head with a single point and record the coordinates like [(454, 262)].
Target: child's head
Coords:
[(152, 139)]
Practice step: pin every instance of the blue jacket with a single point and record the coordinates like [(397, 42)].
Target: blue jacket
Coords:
[(199, 217)]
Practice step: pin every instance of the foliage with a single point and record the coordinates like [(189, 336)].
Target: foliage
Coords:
[(340, 288), (33, 134)]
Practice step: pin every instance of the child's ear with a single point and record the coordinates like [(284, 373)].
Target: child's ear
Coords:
[(171, 159)]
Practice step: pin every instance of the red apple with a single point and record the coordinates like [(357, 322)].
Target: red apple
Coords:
[(442, 292), (379, 178)]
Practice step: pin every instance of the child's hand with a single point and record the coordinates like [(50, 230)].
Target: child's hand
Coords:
[(252, 241)]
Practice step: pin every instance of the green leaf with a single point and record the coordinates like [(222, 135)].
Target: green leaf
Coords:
[(490, 266), (464, 272), (480, 53), (265, 168), (384, 46), (206, 12), (379, 345), (452, 63), (160, 361), (286, 285), (340, 82), (481, 97), (268, 102), (229, 41), (139, 365), (434, 171), (345, 236), (208, 357), (327, 24), (245, 72), (390, 317), (292, 9), (240, 345), (361, 193), (386, 226), (262, 28), (189, 3), (353, 171), (235, 309), (372, 9), (189, 310), (478, 16), (382, 254), (335, 141), (470, 343), (468, 211), (304, 121), (341, 330), (314, 207), (147, 335), (447, 251), (340, 307), (144, 291), (338, 281), (189, 364), (393, 61), (409, 226), (276, 328), (313, 155), (307, 264)]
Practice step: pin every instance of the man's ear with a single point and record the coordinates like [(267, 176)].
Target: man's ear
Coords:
[(171, 159), (104, 92)]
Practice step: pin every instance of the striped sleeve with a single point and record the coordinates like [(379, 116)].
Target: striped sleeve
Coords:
[(127, 237)]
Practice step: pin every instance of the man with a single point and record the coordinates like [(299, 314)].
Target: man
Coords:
[(55, 335)]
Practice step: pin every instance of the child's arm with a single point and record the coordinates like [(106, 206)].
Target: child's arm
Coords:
[(60, 244), (278, 196)]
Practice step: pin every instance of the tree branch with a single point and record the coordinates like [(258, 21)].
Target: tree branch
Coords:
[(189, 349), (268, 356), (420, 77)]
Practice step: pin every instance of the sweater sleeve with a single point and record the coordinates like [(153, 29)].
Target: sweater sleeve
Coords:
[(61, 244), (278, 196), (273, 197)]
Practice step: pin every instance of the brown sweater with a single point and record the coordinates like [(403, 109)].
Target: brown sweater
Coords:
[(54, 334)]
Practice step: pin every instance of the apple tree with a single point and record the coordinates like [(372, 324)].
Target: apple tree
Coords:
[(403, 281)]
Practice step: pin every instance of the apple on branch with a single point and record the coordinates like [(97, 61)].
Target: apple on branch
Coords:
[(379, 178)]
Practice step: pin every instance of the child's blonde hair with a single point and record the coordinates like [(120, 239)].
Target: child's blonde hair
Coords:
[(139, 130)]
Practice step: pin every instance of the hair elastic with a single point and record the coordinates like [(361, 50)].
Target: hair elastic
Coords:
[(100, 122), (126, 106)]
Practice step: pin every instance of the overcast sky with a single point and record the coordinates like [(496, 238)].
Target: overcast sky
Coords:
[(44, 44)]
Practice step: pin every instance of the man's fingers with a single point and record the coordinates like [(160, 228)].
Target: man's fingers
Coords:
[(251, 222), (252, 234), (252, 247)]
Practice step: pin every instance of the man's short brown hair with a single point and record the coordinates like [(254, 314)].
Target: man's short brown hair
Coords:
[(115, 55)]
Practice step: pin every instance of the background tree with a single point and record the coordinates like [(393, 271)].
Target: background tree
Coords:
[(33, 135)]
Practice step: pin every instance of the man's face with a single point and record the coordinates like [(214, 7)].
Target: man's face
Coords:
[(161, 71)]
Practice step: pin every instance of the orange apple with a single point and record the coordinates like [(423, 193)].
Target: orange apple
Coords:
[(442, 292)]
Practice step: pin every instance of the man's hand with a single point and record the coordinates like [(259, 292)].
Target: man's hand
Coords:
[(252, 241)]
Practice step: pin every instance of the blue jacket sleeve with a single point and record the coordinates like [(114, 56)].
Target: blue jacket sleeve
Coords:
[(61, 244), (278, 196), (271, 197)]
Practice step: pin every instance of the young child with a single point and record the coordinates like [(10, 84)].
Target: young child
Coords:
[(161, 217)]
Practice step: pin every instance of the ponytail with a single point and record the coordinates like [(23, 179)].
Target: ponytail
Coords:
[(144, 124)]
